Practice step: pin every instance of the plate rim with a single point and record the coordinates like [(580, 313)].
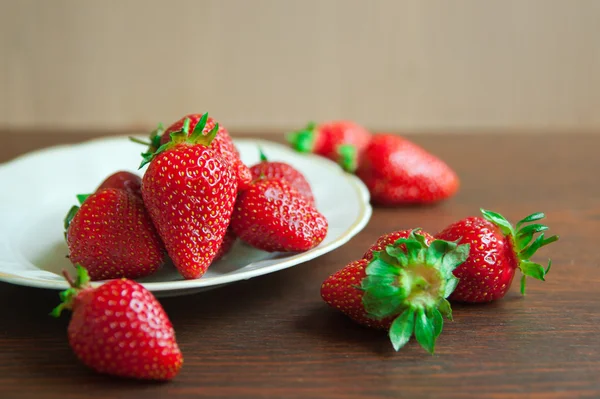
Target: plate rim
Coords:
[(360, 222)]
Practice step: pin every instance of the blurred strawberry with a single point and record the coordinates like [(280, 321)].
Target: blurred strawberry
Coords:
[(397, 171), (341, 141)]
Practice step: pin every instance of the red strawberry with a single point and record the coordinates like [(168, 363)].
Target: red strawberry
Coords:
[(226, 244), (120, 329), (123, 181), (340, 291), (271, 215), (189, 190), (390, 238), (341, 141), (403, 288), (397, 171), (497, 250), (283, 171), (112, 236), (222, 143)]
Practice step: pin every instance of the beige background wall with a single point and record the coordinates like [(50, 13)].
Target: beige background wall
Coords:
[(274, 64)]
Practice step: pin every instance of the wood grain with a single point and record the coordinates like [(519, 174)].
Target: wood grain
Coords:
[(273, 337), (273, 64)]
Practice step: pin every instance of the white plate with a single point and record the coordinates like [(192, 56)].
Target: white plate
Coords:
[(39, 188)]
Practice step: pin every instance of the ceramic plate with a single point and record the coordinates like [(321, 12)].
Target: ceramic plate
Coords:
[(39, 188)]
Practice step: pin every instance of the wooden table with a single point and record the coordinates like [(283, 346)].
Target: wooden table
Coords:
[(273, 337)]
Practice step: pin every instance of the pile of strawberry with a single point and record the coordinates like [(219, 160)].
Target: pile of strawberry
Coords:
[(405, 281), (395, 170), (194, 200)]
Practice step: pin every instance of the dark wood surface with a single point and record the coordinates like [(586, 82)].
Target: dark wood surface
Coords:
[(273, 337)]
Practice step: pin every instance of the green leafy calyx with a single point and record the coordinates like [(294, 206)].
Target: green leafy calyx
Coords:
[(348, 158), (67, 296), (303, 140), (154, 138), (263, 157), (183, 136), (74, 209), (411, 280), (524, 244)]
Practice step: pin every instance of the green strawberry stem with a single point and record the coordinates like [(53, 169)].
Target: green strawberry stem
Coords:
[(521, 238), (347, 157), (183, 136), (153, 139), (413, 282), (82, 197), (303, 140), (263, 157), (67, 296)]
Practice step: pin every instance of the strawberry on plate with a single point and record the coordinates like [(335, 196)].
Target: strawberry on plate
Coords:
[(341, 141), (283, 171), (273, 216), (402, 288), (112, 236), (189, 190), (397, 171), (120, 329), (222, 143), (123, 180), (497, 250)]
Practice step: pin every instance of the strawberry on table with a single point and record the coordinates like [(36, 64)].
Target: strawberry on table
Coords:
[(397, 171), (341, 141), (402, 288), (112, 236), (497, 250), (120, 329), (123, 180), (189, 190), (273, 216), (222, 143), (283, 171)]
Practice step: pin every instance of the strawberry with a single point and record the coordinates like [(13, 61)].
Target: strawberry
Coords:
[(222, 143), (341, 141), (112, 236), (283, 171), (226, 244), (402, 288), (497, 250), (389, 238), (189, 190), (123, 180), (273, 216), (397, 171), (120, 329)]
